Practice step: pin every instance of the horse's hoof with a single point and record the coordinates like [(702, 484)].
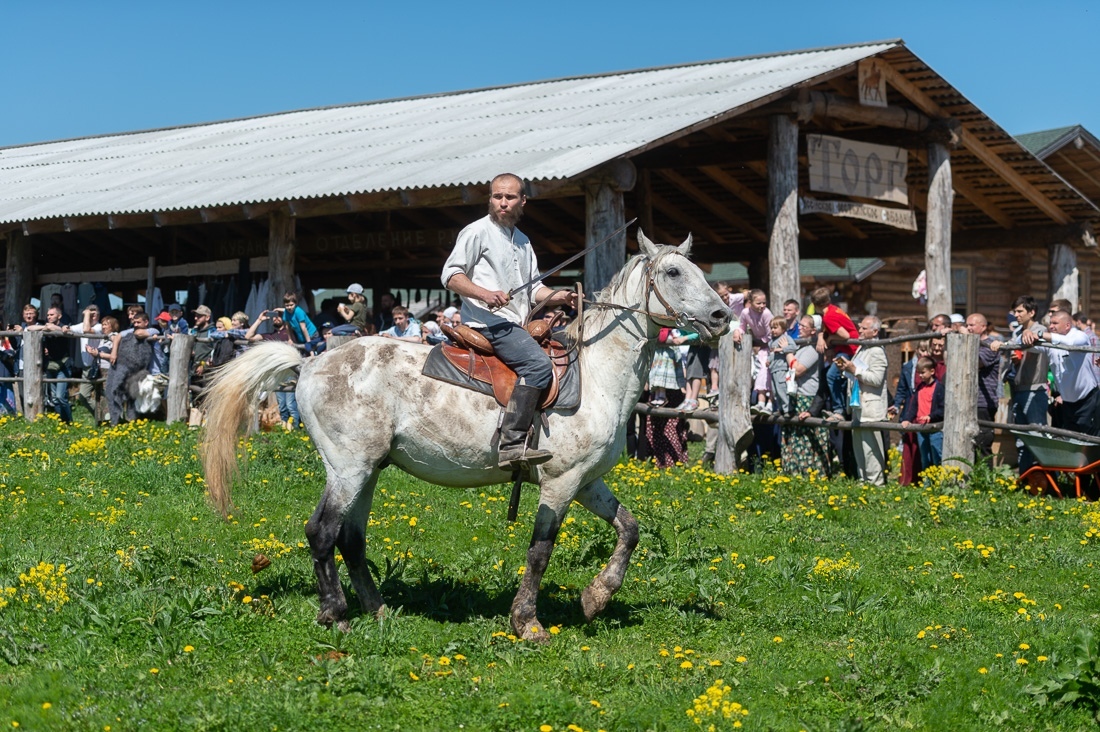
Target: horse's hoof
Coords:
[(327, 617), (532, 631), (593, 601), (343, 626), (382, 612)]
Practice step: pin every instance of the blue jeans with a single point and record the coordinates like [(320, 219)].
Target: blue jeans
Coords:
[(1028, 407), (838, 388), (57, 395), (288, 406), (931, 448), (516, 348)]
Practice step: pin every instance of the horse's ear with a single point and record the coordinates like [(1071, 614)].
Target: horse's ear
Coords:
[(646, 247), (685, 248)]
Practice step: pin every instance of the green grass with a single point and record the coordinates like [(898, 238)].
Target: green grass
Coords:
[(820, 605)]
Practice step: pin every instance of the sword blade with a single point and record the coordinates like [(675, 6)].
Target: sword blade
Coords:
[(572, 259)]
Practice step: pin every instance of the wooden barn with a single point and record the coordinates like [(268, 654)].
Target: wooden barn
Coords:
[(853, 152)]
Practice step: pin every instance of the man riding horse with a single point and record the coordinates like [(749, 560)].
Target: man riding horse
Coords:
[(492, 258)]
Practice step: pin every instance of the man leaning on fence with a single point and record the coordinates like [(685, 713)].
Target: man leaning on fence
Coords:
[(58, 357), (1030, 399), (866, 372), (1074, 376)]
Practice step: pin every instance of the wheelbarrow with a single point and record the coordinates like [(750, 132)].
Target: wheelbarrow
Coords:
[(1065, 456)]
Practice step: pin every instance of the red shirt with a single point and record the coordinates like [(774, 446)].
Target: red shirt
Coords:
[(832, 320), (924, 399)]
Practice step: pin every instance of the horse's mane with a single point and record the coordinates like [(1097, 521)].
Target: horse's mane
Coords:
[(596, 317)]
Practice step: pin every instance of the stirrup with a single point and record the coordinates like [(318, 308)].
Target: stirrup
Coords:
[(520, 456)]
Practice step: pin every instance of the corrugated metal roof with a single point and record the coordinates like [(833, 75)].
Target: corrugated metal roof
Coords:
[(544, 131)]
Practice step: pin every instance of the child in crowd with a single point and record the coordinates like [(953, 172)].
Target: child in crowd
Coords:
[(925, 405), (781, 350)]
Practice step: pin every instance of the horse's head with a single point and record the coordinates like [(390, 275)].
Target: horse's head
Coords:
[(677, 293)]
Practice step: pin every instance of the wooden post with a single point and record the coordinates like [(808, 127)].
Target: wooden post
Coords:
[(150, 285), (937, 235), (33, 395), (643, 202), (735, 383), (605, 212), (960, 407), (1062, 265), (783, 272), (20, 275), (282, 250), (179, 378)]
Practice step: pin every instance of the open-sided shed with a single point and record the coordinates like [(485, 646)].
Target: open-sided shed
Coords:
[(729, 150)]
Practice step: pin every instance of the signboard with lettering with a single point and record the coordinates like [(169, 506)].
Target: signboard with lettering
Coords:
[(851, 168), (900, 218), (364, 241)]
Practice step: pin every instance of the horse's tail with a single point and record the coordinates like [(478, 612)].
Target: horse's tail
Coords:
[(229, 401)]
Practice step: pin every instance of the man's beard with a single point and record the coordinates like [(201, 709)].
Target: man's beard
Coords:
[(507, 218)]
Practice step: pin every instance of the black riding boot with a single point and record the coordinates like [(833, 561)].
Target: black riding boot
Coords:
[(513, 452)]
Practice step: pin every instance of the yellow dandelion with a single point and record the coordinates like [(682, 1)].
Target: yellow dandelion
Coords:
[(1021, 661), (1024, 647), (777, 639), (687, 664), (188, 649), (983, 670), (741, 659)]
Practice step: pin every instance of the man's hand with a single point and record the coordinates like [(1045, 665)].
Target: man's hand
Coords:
[(1028, 338), (496, 298)]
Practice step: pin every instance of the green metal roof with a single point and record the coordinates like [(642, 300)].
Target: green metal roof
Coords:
[(1039, 143), (856, 268)]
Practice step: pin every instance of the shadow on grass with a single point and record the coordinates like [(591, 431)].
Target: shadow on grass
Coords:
[(455, 601)]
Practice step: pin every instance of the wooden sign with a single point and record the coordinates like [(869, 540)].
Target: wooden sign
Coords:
[(861, 169), (900, 218), (872, 83)]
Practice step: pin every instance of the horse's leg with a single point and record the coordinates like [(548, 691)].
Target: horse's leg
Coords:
[(352, 543), (598, 499), (525, 622), (323, 530)]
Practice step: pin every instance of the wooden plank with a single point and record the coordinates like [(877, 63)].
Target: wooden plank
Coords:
[(853, 168), (900, 218), (968, 140), (782, 220)]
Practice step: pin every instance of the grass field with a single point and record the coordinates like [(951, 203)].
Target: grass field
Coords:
[(753, 601)]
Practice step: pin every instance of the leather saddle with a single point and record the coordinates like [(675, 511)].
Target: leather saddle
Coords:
[(473, 355)]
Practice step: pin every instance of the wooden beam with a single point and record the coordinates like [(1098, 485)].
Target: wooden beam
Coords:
[(605, 213), (1078, 235), (677, 214), (828, 105), (1087, 176), (960, 408), (715, 207), (970, 141), (217, 268)]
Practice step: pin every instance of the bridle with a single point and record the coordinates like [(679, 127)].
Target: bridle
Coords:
[(679, 319)]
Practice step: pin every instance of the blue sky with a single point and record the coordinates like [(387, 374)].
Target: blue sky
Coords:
[(73, 69)]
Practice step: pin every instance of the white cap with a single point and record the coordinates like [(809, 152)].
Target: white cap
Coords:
[(355, 289), (956, 318), (450, 312)]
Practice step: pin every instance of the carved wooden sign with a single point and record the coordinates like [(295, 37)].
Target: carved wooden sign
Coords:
[(861, 169), (872, 83), (900, 218)]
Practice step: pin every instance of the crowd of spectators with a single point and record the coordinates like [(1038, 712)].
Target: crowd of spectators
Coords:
[(804, 366)]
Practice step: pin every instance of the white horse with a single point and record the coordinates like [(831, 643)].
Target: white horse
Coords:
[(367, 406)]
